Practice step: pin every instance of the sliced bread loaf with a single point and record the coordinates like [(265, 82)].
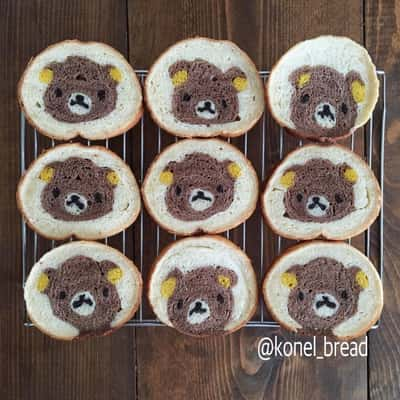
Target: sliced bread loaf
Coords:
[(203, 286), (317, 190), (203, 87), (325, 288), (198, 185), (81, 191), (82, 289), (323, 88), (75, 88)]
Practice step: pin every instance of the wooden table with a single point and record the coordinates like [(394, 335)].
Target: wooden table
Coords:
[(157, 363)]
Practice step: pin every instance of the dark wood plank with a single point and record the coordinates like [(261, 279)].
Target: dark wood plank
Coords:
[(222, 368), (383, 42), (32, 365)]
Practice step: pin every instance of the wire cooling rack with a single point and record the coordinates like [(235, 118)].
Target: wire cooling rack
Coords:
[(264, 145)]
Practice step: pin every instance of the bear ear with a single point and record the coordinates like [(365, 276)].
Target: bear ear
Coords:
[(112, 178), (361, 279), (114, 274), (47, 174), (350, 175), (289, 279), (168, 286), (234, 170), (287, 179), (300, 77), (179, 72), (167, 177), (46, 75), (43, 281), (238, 78), (226, 277), (356, 86), (115, 74)]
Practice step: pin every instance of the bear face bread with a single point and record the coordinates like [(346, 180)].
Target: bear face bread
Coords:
[(199, 185), (326, 191), (325, 288), (80, 88), (323, 89), (203, 87), (203, 286), (82, 289), (81, 191)]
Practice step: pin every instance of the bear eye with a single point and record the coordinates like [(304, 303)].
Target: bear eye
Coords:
[(338, 198), (101, 94), (98, 197), (300, 296), (343, 108), (305, 98), (299, 197), (62, 295), (58, 92), (179, 304), (178, 190), (343, 295), (105, 292), (220, 299), (55, 192), (220, 188), (224, 104), (186, 97)]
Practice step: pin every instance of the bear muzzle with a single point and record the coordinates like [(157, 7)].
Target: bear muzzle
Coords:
[(198, 312), (206, 109), (325, 115), (75, 204), (317, 205), (201, 199), (83, 303), (325, 305), (79, 103)]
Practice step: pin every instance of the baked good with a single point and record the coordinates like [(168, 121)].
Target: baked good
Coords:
[(82, 289), (317, 190), (75, 88), (203, 286), (202, 87), (323, 89), (81, 191), (200, 185), (324, 288)]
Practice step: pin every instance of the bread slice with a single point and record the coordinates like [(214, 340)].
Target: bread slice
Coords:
[(323, 89), (103, 185), (75, 88), (198, 185), (326, 288), (203, 286), (202, 87), (82, 289), (348, 194)]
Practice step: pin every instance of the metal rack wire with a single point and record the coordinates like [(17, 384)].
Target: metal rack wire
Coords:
[(133, 148)]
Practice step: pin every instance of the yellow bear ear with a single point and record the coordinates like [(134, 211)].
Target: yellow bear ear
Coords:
[(303, 79), (166, 178), (287, 179), (350, 175), (362, 279), (224, 281), (168, 287), (239, 83), (113, 178), (289, 280), (180, 77), (358, 91), (46, 75), (114, 275), (42, 282), (234, 170), (115, 74), (46, 174)]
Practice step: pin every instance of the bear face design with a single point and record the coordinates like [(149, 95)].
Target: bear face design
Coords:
[(319, 191), (323, 293), (79, 89), (324, 101), (203, 94), (82, 292), (77, 189), (200, 302), (199, 186)]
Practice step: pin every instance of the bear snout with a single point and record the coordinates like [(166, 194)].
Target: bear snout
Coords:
[(325, 305), (201, 199), (83, 303), (198, 312), (79, 103), (325, 115), (317, 205), (206, 109)]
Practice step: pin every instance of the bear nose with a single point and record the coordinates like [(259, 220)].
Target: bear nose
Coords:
[(79, 98), (326, 109), (315, 199), (207, 104)]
